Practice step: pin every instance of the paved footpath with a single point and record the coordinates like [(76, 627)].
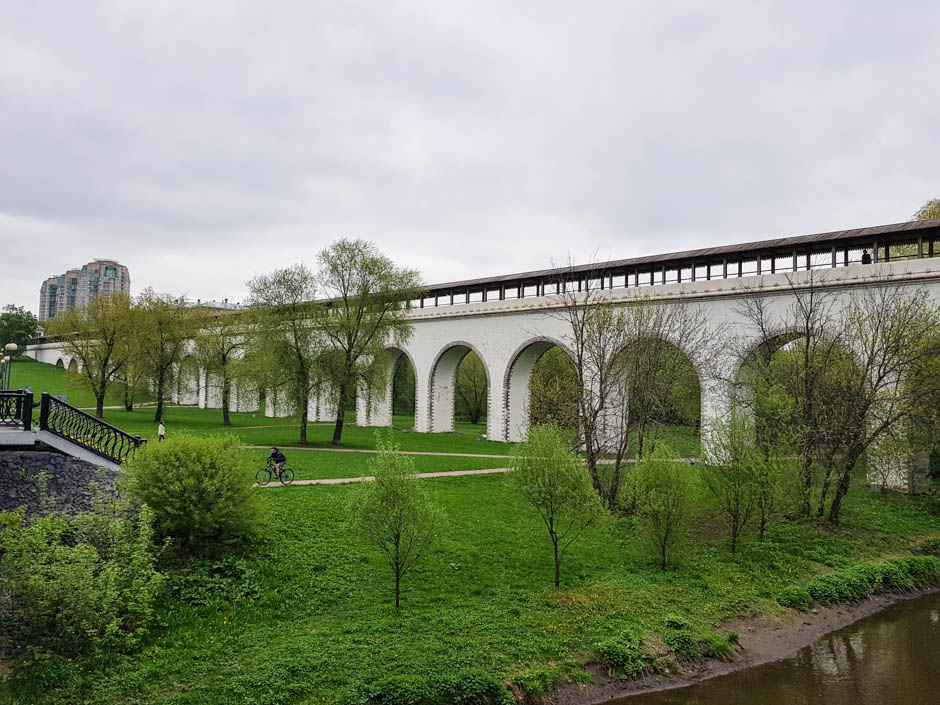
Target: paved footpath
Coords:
[(369, 478), (368, 450)]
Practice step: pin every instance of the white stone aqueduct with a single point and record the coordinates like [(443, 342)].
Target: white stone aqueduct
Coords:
[(510, 334)]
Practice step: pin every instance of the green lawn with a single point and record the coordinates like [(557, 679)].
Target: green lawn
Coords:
[(42, 377), (310, 620)]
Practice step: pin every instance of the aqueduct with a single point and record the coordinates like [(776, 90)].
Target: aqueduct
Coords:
[(510, 321)]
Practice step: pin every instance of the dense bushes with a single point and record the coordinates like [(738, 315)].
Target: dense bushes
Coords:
[(197, 488), (461, 688), (622, 655), (864, 579), (78, 584)]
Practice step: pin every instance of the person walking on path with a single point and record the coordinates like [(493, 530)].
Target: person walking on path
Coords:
[(161, 432)]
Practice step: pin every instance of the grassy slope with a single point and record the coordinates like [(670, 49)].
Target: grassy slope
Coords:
[(323, 624), (42, 377)]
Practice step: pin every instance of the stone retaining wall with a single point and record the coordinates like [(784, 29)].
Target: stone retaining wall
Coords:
[(68, 480)]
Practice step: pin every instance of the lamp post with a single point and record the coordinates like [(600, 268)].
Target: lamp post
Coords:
[(3, 373), (11, 349)]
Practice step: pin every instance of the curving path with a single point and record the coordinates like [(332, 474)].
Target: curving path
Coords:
[(369, 478)]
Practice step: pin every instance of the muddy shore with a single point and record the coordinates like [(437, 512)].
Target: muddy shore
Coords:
[(763, 640)]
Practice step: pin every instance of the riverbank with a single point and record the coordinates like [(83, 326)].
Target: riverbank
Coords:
[(764, 639)]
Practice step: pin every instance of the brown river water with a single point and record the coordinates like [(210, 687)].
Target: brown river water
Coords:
[(891, 658)]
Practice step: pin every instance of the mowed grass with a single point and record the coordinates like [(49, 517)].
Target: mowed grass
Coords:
[(320, 464), (317, 623), (43, 377)]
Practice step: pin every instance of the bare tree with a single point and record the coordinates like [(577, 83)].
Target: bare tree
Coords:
[(627, 359)]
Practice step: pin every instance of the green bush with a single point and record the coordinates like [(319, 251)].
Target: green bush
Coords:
[(716, 646), (795, 597), (930, 547), (863, 579), (218, 582), (78, 584), (621, 654), (196, 487), (461, 688), (401, 690), (535, 684)]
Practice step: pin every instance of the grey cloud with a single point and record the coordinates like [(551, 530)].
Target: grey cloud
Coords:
[(201, 143)]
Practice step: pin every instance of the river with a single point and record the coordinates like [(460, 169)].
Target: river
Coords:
[(891, 658)]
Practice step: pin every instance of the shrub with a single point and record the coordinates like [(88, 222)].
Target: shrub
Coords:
[(460, 688), (222, 581), (930, 547), (535, 684), (795, 597), (196, 487), (734, 638), (78, 584), (681, 641), (401, 690), (621, 654), (716, 645), (863, 579)]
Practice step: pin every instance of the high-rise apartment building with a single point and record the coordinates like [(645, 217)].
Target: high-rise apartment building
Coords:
[(77, 287)]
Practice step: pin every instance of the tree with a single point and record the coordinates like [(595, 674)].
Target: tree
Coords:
[(551, 478), (471, 388), (553, 391), (286, 346), (928, 211), (403, 387), (219, 344), (735, 476), (369, 301), (98, 337), (663, 488), (162, 326), (626, 365), (394, 513), (17, 325)]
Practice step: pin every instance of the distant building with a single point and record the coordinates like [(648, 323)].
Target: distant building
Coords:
[(75, 288)]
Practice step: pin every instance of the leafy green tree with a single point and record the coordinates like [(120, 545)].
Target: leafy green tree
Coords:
[(286, 345), (663, 490), (162, 326), (734, 477), (552, 479), (17, 325), (369, 301), (403, 388), (554, 391), (220, 341), (471, 388), (395, 514), (198, 488), (99, 337), (928, 211)]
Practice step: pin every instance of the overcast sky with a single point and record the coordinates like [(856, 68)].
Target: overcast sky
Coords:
[(201, 143)]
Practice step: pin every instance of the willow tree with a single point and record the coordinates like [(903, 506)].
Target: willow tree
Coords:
[(98, 337), (369, 299), (219, 345), (163, 325), (285, 341)]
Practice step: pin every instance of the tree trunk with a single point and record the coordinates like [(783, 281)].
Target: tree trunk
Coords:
[(397, 589), (99, 405), (557, 564), (226, 399), (843, 487), (303, 425), (340, 417), (128, 397), (161, 382), (734, 536)]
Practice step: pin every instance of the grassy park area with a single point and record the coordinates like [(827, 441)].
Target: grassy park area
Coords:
[(302, 613)]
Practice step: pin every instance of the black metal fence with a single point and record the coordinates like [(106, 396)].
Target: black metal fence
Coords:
[(16, 409), (85, 430)]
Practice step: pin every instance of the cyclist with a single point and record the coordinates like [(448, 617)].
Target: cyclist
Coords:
[(277, 458)]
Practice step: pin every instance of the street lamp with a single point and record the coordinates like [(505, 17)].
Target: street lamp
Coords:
[(3, 373), (11, 348)]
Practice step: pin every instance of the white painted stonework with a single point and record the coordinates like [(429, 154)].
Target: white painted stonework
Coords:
[(510, 335)]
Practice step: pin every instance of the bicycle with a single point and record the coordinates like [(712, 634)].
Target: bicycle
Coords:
[(267, 473)]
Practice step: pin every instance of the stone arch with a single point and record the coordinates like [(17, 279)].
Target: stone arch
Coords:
[(73, 365), (378, 411), (60, 364), (442, 382), (516, 386)]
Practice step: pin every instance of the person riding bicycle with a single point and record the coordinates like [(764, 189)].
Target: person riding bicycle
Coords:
[(277, 458)]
